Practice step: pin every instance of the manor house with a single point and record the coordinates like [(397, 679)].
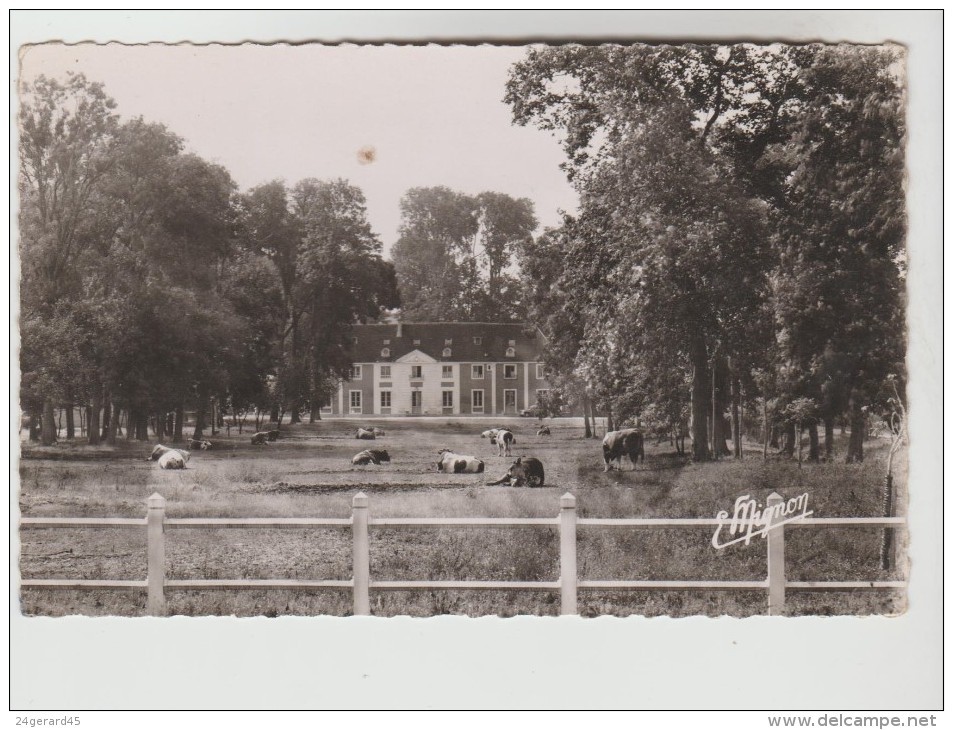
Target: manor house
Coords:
[(442, 368)]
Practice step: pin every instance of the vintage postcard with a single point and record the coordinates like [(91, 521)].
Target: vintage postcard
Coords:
[(613, 329)]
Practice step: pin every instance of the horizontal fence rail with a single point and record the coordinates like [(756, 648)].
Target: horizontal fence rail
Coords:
[(360, 584)]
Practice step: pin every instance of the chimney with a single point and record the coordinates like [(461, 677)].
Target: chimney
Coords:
[(400, 328)]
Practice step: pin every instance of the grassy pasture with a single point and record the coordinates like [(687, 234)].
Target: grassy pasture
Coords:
[(308, 474)]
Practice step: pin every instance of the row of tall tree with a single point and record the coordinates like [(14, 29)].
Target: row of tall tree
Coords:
[(740, 238), (456, 258), (150, 285)]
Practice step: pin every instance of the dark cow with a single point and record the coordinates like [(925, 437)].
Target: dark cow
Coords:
[(528, 471), (260, 439), (544, 431), (202, 444), (159, 451), (628, 442), (458, 463), (274, 435), (363, 433), (371, 456)]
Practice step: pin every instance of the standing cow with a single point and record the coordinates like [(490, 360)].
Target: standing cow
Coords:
[(504, 440), (628, 442)]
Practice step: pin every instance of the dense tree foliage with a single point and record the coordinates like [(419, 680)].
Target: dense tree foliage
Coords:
[(740, 231), (151, 287), (456, 255)]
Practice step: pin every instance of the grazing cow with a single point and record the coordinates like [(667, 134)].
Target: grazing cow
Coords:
[(172, 460), (628, 442), (159, 451), (544, 431), (260, 439), (202, 444), (363, 433), (458, 463), (490, 434), (528, 471), (370, 456), (504, 440)]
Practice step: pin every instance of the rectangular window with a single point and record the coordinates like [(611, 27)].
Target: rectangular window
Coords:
[(385, 371), (540, 371), (447, 371), (448, 399), (476, 372), (477, 340), (477, 396), (512, 343), (385, 399), (509, 372), (355, 401), (355, 372), (416, 371)]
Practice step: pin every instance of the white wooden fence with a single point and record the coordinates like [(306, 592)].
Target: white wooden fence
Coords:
[(568, 584)]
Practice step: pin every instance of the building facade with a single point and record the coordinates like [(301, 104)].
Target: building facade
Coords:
[(441, 369)]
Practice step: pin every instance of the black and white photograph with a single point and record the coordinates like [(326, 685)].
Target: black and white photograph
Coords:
[(544, 329)]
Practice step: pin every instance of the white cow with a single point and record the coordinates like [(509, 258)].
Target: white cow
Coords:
[(159, 451), (504, 440), (452, 463), (172, 460)]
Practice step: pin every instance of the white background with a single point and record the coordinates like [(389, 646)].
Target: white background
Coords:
[(876, 663)]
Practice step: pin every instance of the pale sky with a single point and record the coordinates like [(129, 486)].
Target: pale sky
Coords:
[(434, 115)]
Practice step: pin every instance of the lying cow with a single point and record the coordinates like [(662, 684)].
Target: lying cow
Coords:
[(202, 444), (377, 431), (172, 460), (628, 442), (544, 431), (274, 435), (363, 433), (370, 456), (528, 471), (260, 439), (504, 440), (159, 451), (458, 463)]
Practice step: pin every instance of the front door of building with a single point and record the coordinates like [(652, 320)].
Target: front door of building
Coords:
[(509, 402), (416, 402)]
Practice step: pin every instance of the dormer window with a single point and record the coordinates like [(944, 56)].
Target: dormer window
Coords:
[(477, 340), (446, 352), (385, 352), (511, 352), (386, 342), (448, 342), (416, 342), (512, 343)]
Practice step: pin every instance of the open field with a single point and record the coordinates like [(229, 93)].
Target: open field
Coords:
[(308, 474)]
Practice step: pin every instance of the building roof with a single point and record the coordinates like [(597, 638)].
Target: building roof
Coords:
[(469, 341)]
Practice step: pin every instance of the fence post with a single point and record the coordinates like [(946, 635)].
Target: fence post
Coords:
[(775, 537), (155, 517), (362, 559), (567, 554)]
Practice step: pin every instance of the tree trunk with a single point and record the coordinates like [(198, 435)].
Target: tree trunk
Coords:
[(798, 431), (855, 446), (828, 438), (610, 424), (814, 453), (735, 416), (94, 436), (585, 415), (766, 435), (107, 414), (200, 413), (132, 422), (790, 438), (179, 422), (48, 424), (700, 401), (70, 423), (142, 426), (83, 420), (113, 425), (59, 423), (775, 437), (159, 421), (275, 411), (169, 426)]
